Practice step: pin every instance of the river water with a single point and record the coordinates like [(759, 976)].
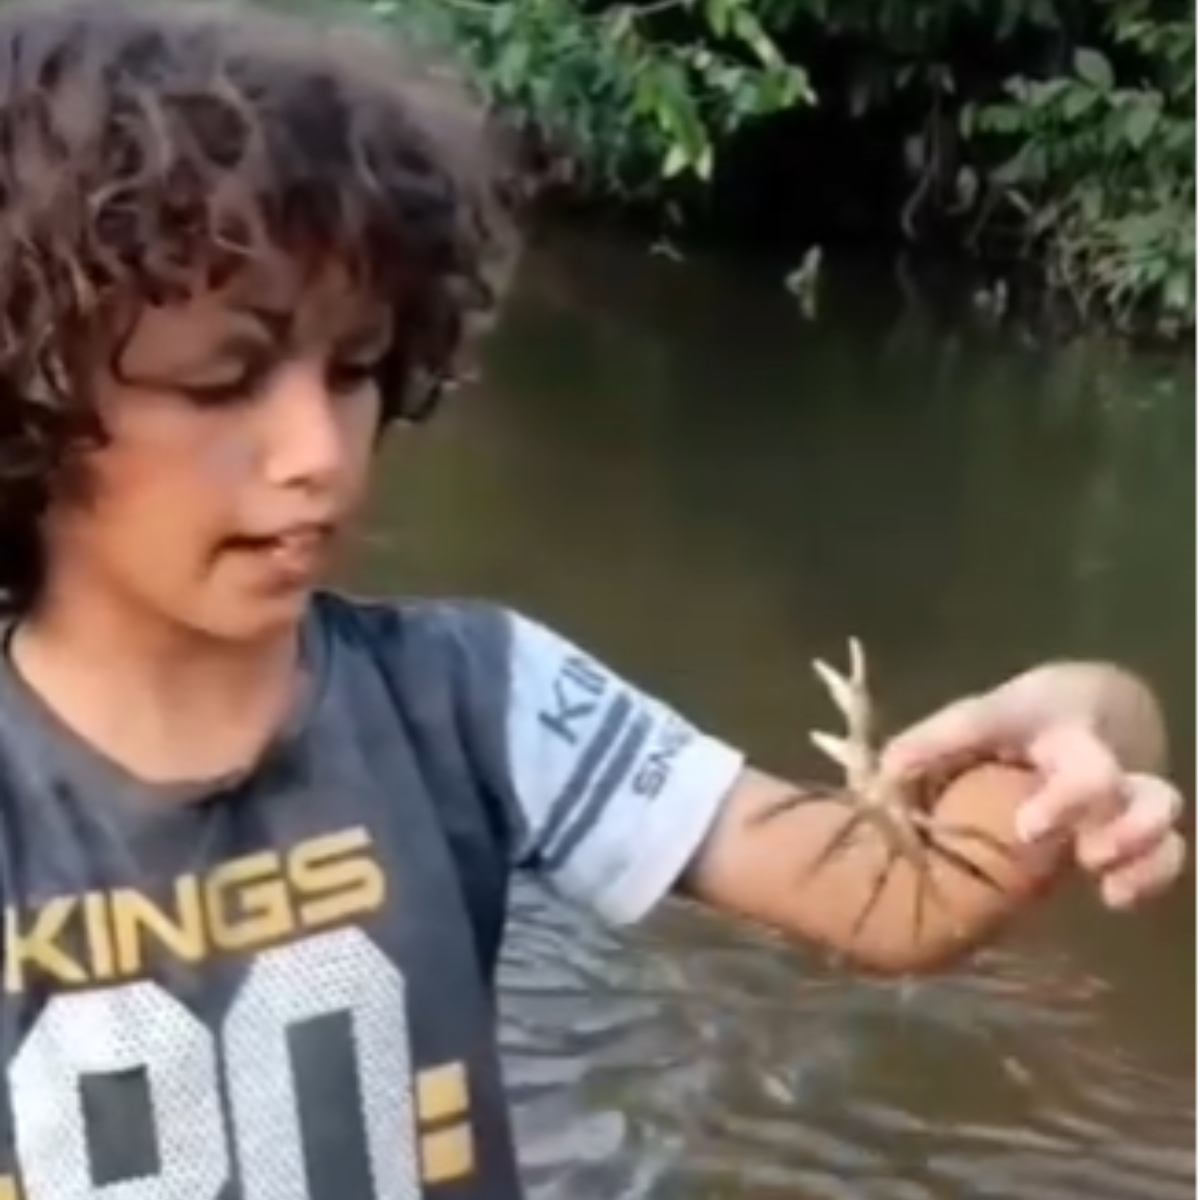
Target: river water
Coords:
[(669, 465)]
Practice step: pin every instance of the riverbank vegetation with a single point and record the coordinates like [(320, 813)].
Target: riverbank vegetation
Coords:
[(1050, 142)]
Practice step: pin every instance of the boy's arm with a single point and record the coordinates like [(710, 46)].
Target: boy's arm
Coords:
[(618, 801), (765, 860), (1081, 726)]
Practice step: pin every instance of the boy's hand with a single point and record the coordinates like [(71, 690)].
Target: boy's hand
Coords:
[(1094, 736)]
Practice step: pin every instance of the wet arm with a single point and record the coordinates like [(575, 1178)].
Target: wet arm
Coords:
[(760, 862), (756, 858), (617, 801)]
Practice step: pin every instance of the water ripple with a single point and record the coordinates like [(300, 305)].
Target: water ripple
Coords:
[(696, 1061)]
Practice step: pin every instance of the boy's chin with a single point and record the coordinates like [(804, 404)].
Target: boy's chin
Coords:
[(254, 620)]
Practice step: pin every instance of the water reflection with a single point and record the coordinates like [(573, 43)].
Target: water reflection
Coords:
[(668, 466), (696, 1064)]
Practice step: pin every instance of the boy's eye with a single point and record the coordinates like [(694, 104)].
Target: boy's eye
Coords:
[(237, 386), (349, 375), (242, 382)]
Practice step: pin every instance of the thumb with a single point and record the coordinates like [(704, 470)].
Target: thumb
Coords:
[(958, 731)]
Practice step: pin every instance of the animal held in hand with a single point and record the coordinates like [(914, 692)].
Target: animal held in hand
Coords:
[(932, 863)]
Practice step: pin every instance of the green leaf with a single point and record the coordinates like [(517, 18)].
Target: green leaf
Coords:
[(1180, 292), (1077, 102), (675, 162), (748, 30), (620, 23), (1139, 125), (1092, 67), (512, 64), (718, 14)]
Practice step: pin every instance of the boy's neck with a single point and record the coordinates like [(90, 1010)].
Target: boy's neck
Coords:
[(166, 704)]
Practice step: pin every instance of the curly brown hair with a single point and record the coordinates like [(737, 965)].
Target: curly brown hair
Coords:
[(140, 142)]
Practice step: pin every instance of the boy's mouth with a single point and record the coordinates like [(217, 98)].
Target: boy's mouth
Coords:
[(295, 553)]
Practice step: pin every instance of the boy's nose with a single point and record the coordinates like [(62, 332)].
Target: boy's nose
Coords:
[(303, 435)]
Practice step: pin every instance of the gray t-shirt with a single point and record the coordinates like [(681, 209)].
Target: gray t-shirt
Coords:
[(279, 986)]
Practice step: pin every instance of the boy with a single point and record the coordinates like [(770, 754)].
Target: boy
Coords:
[(255, 837)]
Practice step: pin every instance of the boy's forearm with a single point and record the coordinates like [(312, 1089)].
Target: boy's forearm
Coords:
[(757, 867), (873, 907)]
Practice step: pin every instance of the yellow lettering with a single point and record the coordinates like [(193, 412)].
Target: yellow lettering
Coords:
[(447, 1154), (135, 915), (337, 878), (37, 946), (99, 940), (253, 885), (242, 905), (442, 1093)]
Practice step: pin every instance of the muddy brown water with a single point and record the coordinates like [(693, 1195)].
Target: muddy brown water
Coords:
[(666, 464)]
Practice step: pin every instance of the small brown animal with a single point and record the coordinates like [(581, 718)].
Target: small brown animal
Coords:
[(941, 850)]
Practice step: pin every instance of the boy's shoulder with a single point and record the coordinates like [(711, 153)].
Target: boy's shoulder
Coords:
[(418, 631), (482, 650), (599, 786), (388, 621), (437, 655)]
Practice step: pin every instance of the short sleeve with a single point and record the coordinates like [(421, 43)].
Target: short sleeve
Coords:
[(609, 791)]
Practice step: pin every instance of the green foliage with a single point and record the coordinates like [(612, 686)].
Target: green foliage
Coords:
[(1100, 165), (1070, 123), (632, 110)]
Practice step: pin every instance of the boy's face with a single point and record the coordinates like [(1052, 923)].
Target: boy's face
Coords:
[(241, 425)]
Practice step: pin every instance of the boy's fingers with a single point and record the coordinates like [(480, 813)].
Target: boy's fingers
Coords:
[(956, 731), (1144, 878), (1153, 811), (1083, 781)]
